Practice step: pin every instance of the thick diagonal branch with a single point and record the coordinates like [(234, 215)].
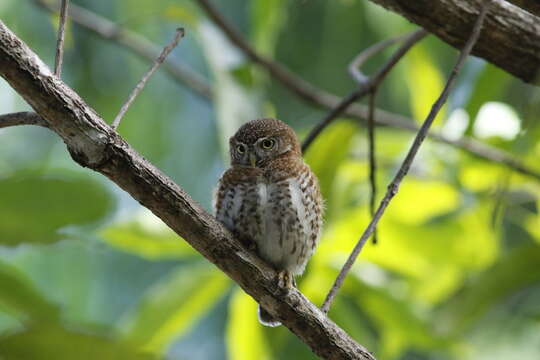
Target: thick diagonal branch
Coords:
[(93, 144), (532, 6), (511, 39)]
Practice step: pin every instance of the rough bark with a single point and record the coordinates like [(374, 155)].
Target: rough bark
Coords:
[(532, 6), (511, 36), (93, 144)]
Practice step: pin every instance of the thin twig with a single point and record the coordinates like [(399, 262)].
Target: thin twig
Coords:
[(22, 118), (372, 158), (365, 55), (365, 87), (60, 40), (306, 91), (166, 51), (394, 185), (323, 99), (363, 80), (134, 42)]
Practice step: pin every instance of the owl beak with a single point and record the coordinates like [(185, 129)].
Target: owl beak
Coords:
[(252, 160)]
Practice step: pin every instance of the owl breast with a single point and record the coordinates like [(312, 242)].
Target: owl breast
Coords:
[(283, 217)]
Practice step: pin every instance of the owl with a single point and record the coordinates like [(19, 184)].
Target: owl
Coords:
[(270, 199)]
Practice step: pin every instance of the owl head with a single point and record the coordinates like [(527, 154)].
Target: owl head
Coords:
[(259, 141)]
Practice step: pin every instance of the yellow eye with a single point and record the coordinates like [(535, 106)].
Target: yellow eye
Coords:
[(268, 143), (240, 148)]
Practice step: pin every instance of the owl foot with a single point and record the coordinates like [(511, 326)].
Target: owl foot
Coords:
[(285, 280)]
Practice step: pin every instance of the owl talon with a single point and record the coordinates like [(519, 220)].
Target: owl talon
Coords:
[(285, 280)]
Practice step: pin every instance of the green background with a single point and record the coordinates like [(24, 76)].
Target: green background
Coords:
[(87, 273)]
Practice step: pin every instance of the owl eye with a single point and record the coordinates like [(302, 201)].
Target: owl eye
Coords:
[(240, 148), (268, 143)]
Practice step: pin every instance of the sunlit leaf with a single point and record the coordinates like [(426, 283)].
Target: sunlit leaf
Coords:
[(244, 337), (326, 154), (33, 209), (419, 201), (434, 255), (318, 278), (267, 18), (480, 176), (533, 226), (424, 80), (172, 306), (182, 12)]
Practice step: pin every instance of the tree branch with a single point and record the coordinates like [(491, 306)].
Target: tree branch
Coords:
[(364, 87), (93, 144), (60, 42), (372, 159), (532, 6), (140, 85), (133, 42), (326, 100), (360, 59), (511, 39), (22, 118), (393, 187), (146, 49)]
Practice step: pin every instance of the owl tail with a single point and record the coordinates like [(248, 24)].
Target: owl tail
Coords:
[(266, 319)]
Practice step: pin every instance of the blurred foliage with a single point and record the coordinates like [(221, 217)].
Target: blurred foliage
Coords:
[(87, 273)]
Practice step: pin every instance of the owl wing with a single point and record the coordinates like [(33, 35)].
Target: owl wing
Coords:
[(236, 203), (224, 200)]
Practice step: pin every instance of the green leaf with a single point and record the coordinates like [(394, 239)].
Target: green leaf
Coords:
[(33, 209), (433, 255), (327, 153), (532, 224), (46, 341), (424, 80), (184, 13), (516, 270), (267, 19), (172, 306), (480, 176), (399, 326), (353, 321), (442, 198), (19, 297), (244, 337), (147, 237)]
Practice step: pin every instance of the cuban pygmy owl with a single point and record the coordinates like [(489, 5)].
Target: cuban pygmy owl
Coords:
[(270, 199)]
